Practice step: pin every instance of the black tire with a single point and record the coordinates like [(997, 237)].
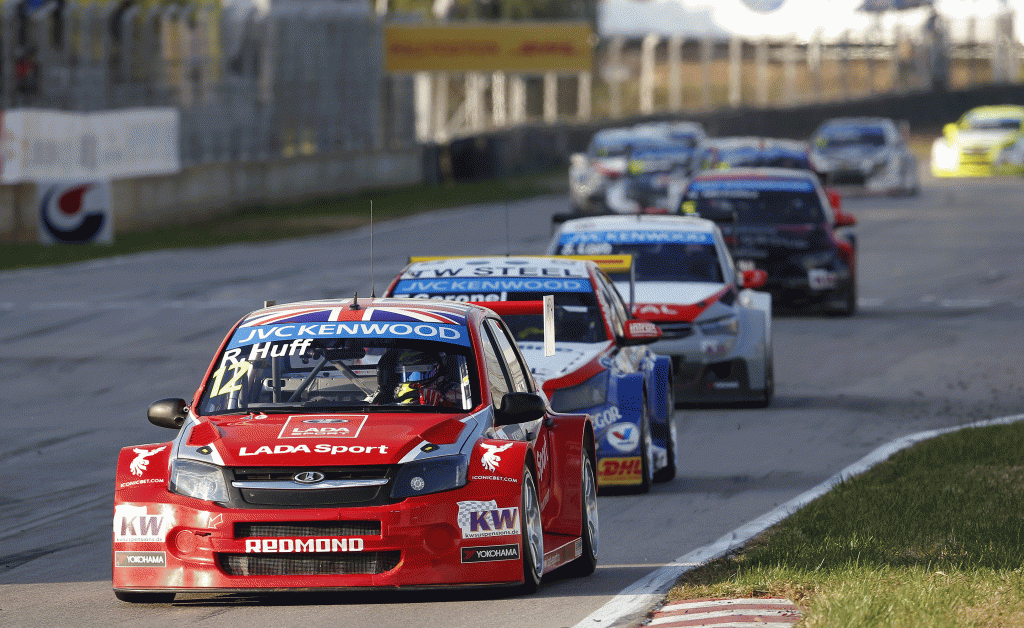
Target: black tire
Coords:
[(532, 535), (586, 564), (769, 382), (647, 455), (848, 301), (133, 597), (668, 472)]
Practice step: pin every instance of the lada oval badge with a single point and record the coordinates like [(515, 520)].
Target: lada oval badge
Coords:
[(308, 477)]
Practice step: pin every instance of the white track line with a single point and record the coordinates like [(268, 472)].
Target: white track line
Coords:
[(647, 592)]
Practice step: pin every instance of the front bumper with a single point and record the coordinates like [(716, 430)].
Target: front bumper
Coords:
[(419, 542), (703, 375)]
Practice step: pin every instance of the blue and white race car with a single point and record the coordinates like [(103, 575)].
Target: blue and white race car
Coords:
[(715, 325), (602, 365)]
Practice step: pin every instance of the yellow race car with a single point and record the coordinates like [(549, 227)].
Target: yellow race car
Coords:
[(986, 141)]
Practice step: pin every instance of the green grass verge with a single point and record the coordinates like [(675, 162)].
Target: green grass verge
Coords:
[(258, 224), (932, 537)]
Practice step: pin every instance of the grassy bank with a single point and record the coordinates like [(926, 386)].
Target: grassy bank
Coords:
[(256, 224), (933, 537)]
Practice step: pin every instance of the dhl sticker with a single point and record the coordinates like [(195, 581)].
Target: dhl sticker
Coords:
[(612, 471)]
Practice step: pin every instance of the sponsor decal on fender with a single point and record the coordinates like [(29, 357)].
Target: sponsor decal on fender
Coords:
[(619, 471), (623, 436), (490, 458), (322, 448), (489, 553), (141, 460), (135, 524), (140, 559), (323, 426), (480, 518), (137, 482), (299, 546), (603, 418), (496, 478)]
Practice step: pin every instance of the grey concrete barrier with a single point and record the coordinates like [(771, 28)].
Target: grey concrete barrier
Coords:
[(208, 190)]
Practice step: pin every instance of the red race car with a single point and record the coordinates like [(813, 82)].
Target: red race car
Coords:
[(352, 444)]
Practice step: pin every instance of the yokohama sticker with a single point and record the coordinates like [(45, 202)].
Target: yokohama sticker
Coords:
[(489, 553), (479, 518), (140, 559)]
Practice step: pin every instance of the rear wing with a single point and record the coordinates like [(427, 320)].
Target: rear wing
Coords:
[(620, 263)]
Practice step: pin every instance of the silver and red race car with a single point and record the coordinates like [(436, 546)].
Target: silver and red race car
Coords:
[(714, 324), (600, 364), (358, 443)]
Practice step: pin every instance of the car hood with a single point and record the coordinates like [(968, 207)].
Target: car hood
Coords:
[(672, 300), (569, 357), (853, 154), (319, 439), (980, 139)]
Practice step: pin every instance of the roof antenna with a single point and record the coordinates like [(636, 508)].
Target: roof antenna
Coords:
[(373, 276), (354, 305)]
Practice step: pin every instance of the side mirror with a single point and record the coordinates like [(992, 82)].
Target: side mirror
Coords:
[(577, 161), (950, 130), (638, 332), (845, 220), (835, 199), (753, 279), (169, 413), (520, 407)]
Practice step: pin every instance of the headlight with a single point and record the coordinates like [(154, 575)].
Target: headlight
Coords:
[(199, 480), (430, 476), (724, 326), (945, 156), (590, 393)]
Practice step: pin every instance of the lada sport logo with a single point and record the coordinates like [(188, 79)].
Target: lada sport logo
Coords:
[(323, 426)]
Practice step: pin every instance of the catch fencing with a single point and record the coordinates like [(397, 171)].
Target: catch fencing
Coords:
[(303, 79)]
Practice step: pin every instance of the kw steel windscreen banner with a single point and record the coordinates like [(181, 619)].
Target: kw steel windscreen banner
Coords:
[(512, 47), (60, 146)]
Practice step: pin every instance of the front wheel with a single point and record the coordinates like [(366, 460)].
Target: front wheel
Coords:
[(769, 382), (533, 535), (586, 564), (847, 302), (647, 455)]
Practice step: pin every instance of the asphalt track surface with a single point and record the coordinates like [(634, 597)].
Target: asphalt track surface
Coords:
[(85, 348)]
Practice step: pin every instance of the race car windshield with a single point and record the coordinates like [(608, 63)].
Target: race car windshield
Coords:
[(992, 124), (851, 136), (671, 262), (573, 323), (338, 374), (752, 205)]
